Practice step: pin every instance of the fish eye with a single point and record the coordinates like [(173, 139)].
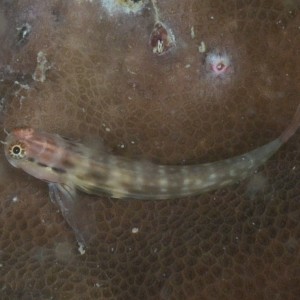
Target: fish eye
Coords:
[(17, 151)]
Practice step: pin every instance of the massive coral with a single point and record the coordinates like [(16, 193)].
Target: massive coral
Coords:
[(77, 69)]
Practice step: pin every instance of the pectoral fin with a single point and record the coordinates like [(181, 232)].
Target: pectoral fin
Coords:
[(64, 197)]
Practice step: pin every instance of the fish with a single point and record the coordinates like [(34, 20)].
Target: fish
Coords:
[(69, 166)]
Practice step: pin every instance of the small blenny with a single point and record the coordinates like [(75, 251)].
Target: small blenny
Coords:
[(69, 166)]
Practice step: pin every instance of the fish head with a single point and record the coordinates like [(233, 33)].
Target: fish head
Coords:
[(17, 146), (37, 153)]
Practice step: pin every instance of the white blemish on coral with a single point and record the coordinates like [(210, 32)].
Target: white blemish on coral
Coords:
[(24, 30), (22, 86), (192, 32), (15, 199), (20, 90), (123, 6), (107, 129), (135, 230), (202, 47), (41, 68), (81, 249)]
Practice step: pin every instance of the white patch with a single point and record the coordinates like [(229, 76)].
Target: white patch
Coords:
[(41, 68), (192, 32), (81, 249), (135, 230), (123, 6), (202, 47), (186, 181), (15, 199), (163, 182)]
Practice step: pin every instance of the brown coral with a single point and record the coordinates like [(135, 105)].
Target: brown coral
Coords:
[(102, 80)]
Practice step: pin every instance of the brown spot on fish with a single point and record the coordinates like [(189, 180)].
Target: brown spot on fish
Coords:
[(67, 163), (58, 170), (42, 164)]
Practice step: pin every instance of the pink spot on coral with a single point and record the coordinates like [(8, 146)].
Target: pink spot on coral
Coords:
[(218, 64)]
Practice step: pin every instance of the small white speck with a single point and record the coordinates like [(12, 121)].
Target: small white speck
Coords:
[(155, 250), (15, 199), (112, 249), (135, 230), (132, 142), (212, 17), (1, 265), (81, 249), (294, 168), (122, 146), (237, 238), (187, 66), (192, 32), (23, 86), (97, 284), (202, 47), (107, 129), (253, 223)]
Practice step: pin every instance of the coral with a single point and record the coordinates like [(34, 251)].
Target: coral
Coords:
[(105, 83)]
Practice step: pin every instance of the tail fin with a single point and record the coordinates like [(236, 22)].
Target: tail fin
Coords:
[(292, 128)]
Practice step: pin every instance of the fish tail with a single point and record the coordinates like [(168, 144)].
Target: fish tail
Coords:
[(292, 128)]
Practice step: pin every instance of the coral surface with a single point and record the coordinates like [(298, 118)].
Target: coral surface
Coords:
[(87, 72)]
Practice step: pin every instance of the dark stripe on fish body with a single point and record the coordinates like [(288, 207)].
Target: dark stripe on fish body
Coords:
[(58, 170), (41, 164)]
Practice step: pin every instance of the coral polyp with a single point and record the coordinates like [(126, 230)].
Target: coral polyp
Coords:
[(218, 64)]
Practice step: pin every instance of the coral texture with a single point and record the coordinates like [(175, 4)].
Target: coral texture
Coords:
[(80, 70)]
